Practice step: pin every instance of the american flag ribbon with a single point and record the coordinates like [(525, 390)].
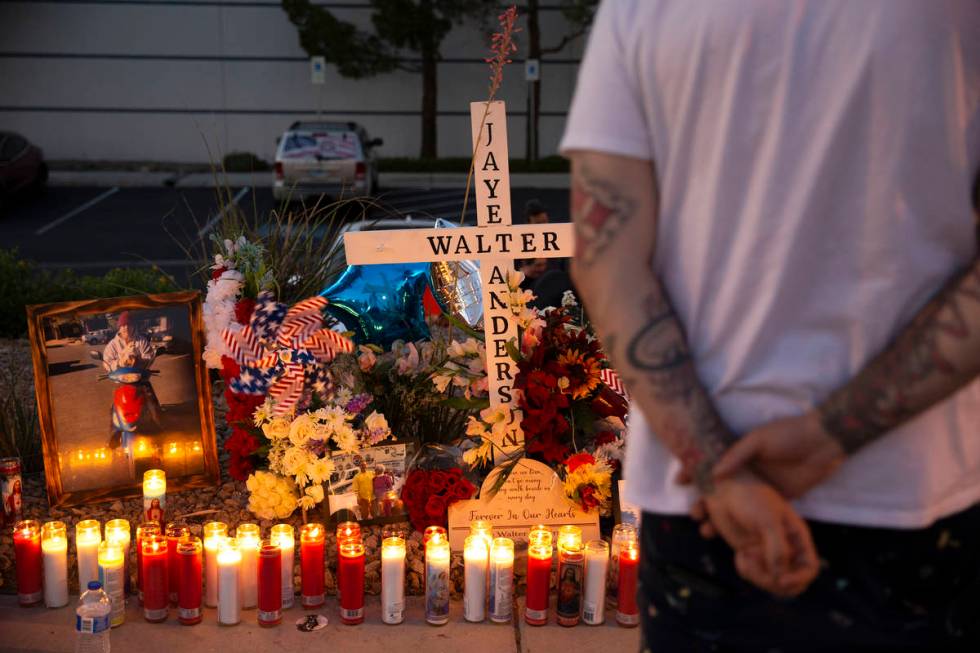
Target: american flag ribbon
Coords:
[(611, 379)]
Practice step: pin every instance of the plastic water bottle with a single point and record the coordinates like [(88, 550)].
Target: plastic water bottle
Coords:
[(92, 620)]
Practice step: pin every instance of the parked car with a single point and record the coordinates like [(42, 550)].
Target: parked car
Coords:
[(325, 158), (22, 166)]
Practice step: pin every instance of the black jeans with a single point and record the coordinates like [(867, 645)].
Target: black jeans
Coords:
[(878, 590)]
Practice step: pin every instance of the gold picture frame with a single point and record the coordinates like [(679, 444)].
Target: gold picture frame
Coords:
[(100, 430)]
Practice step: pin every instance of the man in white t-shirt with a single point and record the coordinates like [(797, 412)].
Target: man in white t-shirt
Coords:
[(780, 193)]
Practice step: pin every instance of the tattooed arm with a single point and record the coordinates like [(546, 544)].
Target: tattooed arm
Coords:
[(614, 210), (614, 207), (932, 357), (936, 354)]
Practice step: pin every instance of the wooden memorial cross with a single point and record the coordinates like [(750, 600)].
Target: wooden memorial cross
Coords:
[(495, 243)]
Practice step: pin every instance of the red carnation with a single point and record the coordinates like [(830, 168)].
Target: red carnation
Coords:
[(579, 459), (217, 272), (243, 310)]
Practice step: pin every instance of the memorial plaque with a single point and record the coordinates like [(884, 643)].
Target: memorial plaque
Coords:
[(531, 495)]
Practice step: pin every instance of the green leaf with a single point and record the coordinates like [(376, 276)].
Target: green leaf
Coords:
[(514, 352), (462, 403)]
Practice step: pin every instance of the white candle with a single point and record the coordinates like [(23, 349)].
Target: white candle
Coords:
[(154, 495), (111, 570), (249, 543), (476, 555), (54, 552), (393, 580), (117, 532), (214, 532), (501, 579), (282, 536), (87, 538), (229, 570), (594, 594), (437, 580)]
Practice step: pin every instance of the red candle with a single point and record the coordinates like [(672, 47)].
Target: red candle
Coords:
[(627, 612), (346, 530), (143, 530), (155, 577), (351, 582), (270, 584), (538, 583), (27, 554), (189, 561), (175, 532), (311, 541)]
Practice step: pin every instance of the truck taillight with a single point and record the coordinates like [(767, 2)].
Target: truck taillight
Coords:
[(279, 174), (360, 170)]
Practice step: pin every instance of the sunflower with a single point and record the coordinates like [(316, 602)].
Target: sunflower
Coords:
[(582, 373)]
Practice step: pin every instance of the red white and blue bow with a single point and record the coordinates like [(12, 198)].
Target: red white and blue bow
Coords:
[(279, 349)]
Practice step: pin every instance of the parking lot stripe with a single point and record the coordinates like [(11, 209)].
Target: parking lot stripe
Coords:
[(220, 214), (71, 214)]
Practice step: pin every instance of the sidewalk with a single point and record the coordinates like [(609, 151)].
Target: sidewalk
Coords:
[(41, 630), (130, 179)]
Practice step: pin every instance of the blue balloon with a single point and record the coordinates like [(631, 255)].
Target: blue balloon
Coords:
[(381, 303)]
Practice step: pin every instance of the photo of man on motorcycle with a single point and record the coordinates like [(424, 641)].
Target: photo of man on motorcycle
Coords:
[(127, 359)]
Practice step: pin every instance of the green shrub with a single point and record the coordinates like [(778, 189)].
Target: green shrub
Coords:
[(243, 162), (23, 283)]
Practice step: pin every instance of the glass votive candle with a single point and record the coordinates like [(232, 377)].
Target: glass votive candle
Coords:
[(143, 531), (54, 552), (175, 532), (154, 495), (501, 600), (27, 559), (594, 593), (229, 576), (118, 532), (437, 558), (155, 577), (283, 536), (87, 537), (214, 533), (270, 584), (393, 580), (350, 580), (191, 574), (312, 538), (249, 541)]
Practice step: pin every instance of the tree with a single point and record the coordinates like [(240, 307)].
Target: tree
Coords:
[(400, 26), (578, 14)]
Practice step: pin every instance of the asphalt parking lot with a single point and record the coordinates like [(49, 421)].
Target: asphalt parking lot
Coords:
[(94, 229)]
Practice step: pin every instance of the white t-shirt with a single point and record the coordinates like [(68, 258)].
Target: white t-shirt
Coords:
[(816, 162)]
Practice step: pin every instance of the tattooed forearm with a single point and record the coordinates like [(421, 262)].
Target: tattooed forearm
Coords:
[(933, 356), (615, 221), (600, 211)]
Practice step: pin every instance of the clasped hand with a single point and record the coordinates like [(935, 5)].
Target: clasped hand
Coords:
[(749, 507)]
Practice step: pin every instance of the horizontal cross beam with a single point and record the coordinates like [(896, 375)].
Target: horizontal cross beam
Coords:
[(460, 244)]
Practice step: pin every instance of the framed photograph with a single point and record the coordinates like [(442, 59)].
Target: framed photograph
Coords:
[(121, 388), (366, 485)]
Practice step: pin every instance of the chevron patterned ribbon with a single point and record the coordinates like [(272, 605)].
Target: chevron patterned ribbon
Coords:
[(611, 379), (279, 348)]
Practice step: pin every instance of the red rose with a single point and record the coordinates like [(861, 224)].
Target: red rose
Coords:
[(239, 467), (579, 459), (587, 494), (438, 481), (455, 471), (243, 310), (435, 508), (462, 490), (417, 479)]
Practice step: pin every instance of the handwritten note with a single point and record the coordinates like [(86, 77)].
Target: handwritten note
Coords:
[(531, 495)]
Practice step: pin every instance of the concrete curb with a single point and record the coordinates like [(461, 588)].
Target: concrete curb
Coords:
[(135, 179)]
